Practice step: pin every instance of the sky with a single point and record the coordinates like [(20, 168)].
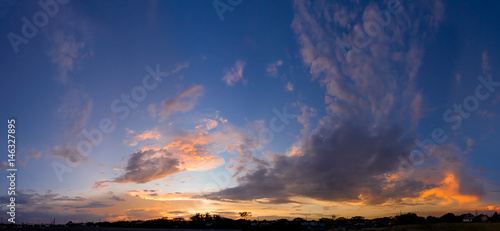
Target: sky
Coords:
[(131, 110)]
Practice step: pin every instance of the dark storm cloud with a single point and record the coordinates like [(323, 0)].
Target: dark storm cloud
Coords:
[(345, 162)]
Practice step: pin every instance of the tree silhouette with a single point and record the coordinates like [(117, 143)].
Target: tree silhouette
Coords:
[(448, 218), (245, 215), (298, 220)]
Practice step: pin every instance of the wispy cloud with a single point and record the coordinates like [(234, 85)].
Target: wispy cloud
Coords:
[(273, 67), (74, 112), (235, 74), (182, 102), (70, 44), (146, 135), (93, 204), (289, 86), (66, 54)]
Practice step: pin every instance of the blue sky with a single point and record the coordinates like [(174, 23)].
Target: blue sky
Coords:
[(282, 108)]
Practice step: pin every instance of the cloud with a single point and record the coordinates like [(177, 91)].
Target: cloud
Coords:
[(113, 197), (4, 165), (289, 86), (235, 74), (93, 204), (188, 150), (146, 165), (334, 166), (35, 154), (220, 118), (305, 117), (470, 143), (143, 194), (68, 152), (182, 102), (368, 80), (74, 112), (29, 155), (152, 134), (209, 124), (66, 55), (179, 67), (373, 108), (152, 110), (32, 201), (273, 67), (76, 107), (70, 44), (452, 183)]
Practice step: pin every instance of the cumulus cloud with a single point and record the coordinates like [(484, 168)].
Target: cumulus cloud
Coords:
[(273, 67), (373, 108), (188, 150), (305, 117), (346, 164), (235, 74), (182, 102)]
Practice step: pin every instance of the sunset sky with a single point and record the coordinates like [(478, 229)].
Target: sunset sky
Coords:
[(145, 109)]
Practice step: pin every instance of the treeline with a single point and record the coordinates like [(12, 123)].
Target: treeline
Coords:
[(214, 221)]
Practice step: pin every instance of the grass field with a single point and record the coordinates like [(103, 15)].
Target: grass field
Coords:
[(443, 227)]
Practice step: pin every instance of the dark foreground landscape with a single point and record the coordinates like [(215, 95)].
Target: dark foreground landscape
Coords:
[(403, 222), (430, 227)]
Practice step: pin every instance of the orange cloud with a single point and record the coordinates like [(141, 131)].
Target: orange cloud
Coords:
[(449, 192), (148, 134)]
